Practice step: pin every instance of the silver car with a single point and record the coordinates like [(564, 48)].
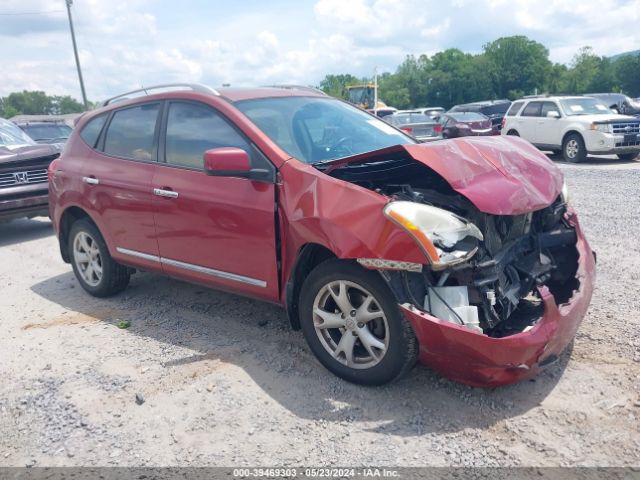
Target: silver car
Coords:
[(419, 126)]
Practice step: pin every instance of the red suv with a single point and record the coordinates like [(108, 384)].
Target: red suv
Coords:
[(464, 254)]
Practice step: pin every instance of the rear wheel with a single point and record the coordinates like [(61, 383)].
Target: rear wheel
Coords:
[(513, 133), (92, 264), (573, 149), (352, 324), (627, 156)]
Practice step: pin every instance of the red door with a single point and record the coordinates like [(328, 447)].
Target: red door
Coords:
[(216, 230), (118, 185)]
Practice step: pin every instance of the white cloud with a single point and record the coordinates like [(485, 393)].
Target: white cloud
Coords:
[(126, 43)]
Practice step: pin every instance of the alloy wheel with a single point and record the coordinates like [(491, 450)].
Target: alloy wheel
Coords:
[(350, 324), (572, 148), (86, 255)]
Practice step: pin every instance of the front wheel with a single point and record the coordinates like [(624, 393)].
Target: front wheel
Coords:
[(573, 149), (352, 324), (626, 157), (92, 264)]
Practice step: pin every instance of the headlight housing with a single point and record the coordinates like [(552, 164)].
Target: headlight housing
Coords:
[(602, 127), (445, 238)]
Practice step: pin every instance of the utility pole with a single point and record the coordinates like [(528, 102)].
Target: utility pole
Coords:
[(75, 52), (375, 90)]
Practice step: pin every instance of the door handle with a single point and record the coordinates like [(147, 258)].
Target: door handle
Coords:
[(91, 180), (165, 193)]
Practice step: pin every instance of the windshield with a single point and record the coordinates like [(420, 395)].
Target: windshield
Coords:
[(47, 132), (10, 135), (584, 106), (317, 130)]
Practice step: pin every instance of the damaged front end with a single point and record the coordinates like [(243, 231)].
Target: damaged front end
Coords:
[(486, 306)]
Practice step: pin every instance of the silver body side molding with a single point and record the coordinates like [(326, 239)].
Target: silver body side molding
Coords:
[(194, 268)]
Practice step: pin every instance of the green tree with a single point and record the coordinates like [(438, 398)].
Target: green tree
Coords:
[(61, 105), (590, 73), (627, 70), (517, 64), (29, 103), (334, 85)]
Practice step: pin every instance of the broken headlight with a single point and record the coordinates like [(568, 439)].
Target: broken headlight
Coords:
[(445, 238)]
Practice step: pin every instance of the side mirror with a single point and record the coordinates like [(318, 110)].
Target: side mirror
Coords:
[(553, 114), (233, 162)]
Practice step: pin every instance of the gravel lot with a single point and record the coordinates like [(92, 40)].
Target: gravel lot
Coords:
[(222, 380)]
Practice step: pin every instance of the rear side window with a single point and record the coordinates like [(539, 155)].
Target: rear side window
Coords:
[(532, 110), (515, 108), (192, 129), (92, 129), (131, 132)]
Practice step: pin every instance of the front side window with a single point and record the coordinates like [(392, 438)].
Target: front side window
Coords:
[(131, 132), (548, 107), (194, 128), (315, 130), (531, 110)]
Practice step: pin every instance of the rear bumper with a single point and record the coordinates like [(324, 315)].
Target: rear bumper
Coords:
[(477, 360)]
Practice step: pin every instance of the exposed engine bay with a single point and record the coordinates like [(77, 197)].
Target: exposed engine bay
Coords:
[(489, 283)]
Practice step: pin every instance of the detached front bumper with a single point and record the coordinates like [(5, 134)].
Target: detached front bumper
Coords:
[(481, 361)]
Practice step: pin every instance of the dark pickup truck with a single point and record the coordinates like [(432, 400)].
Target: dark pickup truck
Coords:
[(23, 173)]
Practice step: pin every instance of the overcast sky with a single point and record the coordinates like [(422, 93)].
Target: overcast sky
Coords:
[(128, 43)]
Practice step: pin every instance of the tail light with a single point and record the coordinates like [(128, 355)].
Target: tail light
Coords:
[(437, 128), (51, 169), (407, 129)]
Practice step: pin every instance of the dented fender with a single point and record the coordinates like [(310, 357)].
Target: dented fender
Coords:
[(346, 219)]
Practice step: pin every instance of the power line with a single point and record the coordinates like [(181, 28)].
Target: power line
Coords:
[(44, 12)]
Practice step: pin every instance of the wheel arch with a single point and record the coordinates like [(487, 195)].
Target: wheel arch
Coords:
[(309, 257), (67, 219), (570, 132)]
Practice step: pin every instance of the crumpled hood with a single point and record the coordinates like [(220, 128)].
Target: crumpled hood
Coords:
[(499, 175)]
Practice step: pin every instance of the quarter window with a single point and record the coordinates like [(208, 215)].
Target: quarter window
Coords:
[(92, 129), (192, 129), (515, 108), (532, 110), (131, 132)]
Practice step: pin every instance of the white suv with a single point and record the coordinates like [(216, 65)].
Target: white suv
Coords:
[(574, 126)]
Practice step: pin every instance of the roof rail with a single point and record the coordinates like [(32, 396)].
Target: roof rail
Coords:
[(196, 87), (299, 87)]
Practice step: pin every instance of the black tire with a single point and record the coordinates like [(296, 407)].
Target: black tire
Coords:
[(402, 350), (513, 133), (114, 278), (626, 157), (573, 149)]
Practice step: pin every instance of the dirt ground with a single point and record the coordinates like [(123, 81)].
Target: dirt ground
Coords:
[(222, 380)]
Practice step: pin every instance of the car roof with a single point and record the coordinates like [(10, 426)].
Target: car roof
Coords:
[(231, 94)]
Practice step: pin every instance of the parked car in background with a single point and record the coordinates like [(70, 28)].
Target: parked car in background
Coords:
[(382, 250), (23, 173), (383, 111), (433, 112), (493, 109), (575, 126), (618, 102), (46, 131), (419, 126), (465, 124)]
